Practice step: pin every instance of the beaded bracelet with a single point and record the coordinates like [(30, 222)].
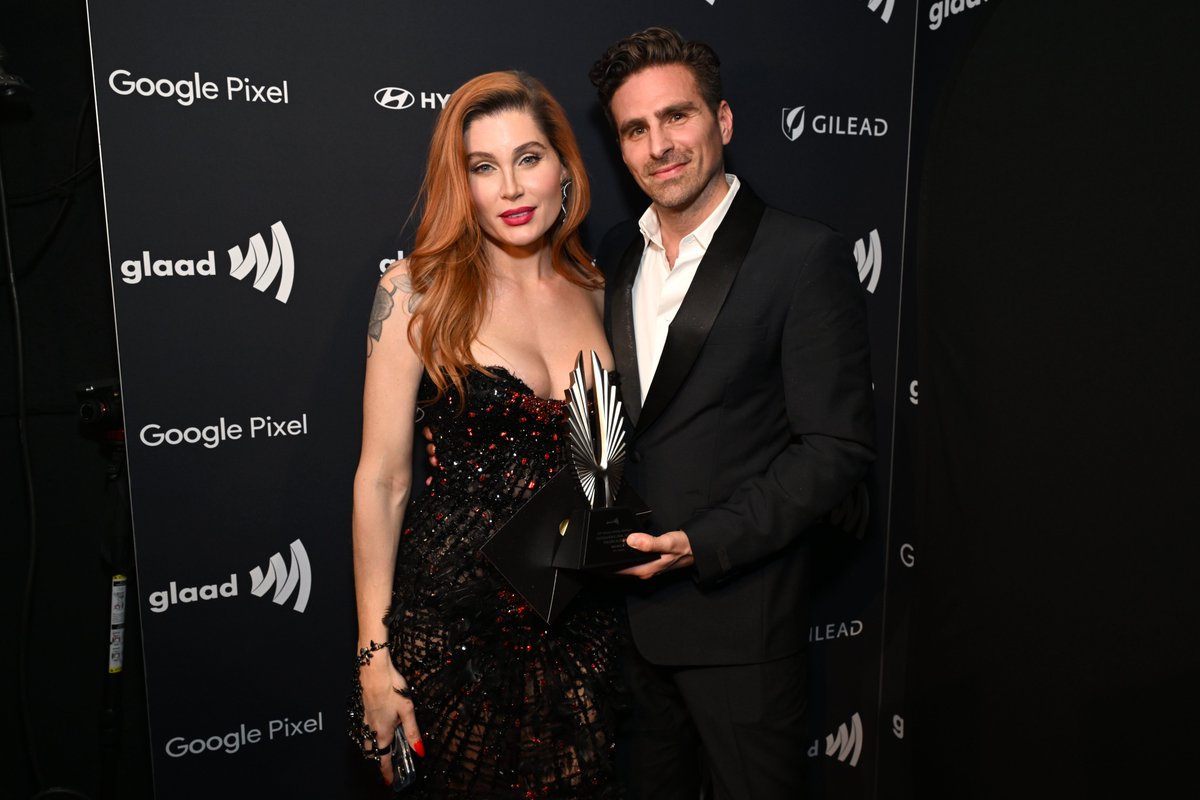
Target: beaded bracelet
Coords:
[(365, 654), (361, 733)]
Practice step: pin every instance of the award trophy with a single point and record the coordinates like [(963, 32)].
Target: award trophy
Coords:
[(593, 537), (577, 520)]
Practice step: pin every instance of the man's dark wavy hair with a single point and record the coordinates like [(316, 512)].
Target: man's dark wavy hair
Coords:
[(655, 47)]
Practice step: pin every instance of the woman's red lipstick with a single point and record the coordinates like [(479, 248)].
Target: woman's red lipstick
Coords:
[(517, 216)]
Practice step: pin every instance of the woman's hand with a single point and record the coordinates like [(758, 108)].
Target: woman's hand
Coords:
[(387, 704)]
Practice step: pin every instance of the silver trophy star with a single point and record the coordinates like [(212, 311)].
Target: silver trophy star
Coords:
[(598, 454)]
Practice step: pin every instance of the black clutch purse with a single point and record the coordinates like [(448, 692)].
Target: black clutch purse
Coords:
[(404, 766)]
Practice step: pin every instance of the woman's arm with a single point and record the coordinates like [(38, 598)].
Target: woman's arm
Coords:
[(382, 485)]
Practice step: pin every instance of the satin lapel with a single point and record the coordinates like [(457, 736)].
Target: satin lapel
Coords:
[(703, 301), (624, 348)]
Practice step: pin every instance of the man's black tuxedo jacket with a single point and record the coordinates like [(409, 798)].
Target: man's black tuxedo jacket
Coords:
[(759, 420)]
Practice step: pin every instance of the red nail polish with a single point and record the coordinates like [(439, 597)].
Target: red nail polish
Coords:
[(419, 748)]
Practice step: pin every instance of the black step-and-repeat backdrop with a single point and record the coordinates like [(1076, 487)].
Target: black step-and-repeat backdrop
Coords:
[(260, 162)]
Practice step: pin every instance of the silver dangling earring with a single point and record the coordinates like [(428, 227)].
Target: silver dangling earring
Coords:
[(565, 186)]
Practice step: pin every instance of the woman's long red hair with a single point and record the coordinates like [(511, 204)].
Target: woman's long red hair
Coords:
[(448, 264)]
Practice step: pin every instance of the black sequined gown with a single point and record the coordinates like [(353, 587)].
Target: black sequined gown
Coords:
[(508, 708)]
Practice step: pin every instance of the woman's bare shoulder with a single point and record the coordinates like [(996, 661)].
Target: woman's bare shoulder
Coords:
[(396, 276)]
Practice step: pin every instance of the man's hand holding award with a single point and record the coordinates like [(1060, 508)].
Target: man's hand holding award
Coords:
[(594, 537)]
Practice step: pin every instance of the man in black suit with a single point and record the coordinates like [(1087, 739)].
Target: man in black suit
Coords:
[(740, 337)]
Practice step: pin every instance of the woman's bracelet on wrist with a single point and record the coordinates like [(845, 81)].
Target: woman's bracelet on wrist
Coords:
[(365, 654)]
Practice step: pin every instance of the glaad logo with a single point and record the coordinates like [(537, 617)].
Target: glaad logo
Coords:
[(175, 594), (279, 263), (387, 262), (134, 270), (396, 99), (287, 580), (845, 743), (941, 9), (869, 255), (887, 8), (297, 579), (830, 124), (266, 267)]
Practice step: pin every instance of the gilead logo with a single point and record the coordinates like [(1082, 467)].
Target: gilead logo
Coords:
[(835, 630), (793, 124)]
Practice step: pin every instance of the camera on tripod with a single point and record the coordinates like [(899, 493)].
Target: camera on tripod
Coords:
[(100, 408)]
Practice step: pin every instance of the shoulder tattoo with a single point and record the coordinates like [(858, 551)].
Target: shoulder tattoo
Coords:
[(381, 309)]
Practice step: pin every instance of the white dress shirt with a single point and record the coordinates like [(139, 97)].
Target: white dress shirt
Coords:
[(658, 289)]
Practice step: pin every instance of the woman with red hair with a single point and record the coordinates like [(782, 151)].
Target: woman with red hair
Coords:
[(476, 333)]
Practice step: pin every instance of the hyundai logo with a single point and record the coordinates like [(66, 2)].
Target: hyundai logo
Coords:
[(394, 97)]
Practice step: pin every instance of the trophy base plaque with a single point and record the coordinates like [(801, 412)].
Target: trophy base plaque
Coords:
[(594, 538)]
